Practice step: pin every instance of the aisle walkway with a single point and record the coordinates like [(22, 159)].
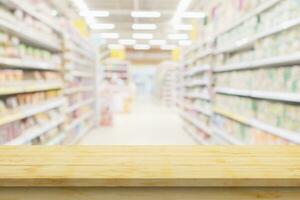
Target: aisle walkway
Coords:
[(148, 124)]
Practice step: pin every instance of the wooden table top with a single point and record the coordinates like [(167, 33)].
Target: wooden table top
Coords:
[(150, 166)]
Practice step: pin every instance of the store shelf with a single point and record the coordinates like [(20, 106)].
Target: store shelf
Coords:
[(265, 6), (75, 60), (246, 43), (28, 9), (80, 104), (226, 136), (198, 96), (28, 111), (197, 123), (28, 86), (199, 109), (204, 54), (57, 140), (35, 132), (82, 133), (29, 36), (26, 64), (194, 135), (277, 96), (197, 70), (77, 121), (82, 74), (69, 91), (80, 51), (286, 134), (268, 62), (196, 83)]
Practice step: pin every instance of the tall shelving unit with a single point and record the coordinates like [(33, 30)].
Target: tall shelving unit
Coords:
[(197, 102), (256, 87), (31, 82), (167, 83), (80, 90)]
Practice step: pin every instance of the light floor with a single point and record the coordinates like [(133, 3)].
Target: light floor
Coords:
[(147, 124)]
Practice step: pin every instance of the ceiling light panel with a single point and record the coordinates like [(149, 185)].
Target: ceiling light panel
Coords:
[(145, 14), (157, 42), (142, 47), (185, 42), (168, 47), (144, 26), (142, 36), (127, 42), (116, 46), (193, 15), (109, 35), (102, 26), (184, 27), (178, 36), (95, 13)]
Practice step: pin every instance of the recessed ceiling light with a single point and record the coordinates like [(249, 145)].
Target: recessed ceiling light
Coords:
[(185, 42), (102, 26), (116, 46), (95, 13), (196, 15), (109, 35), (178, 36), (184, 27), (157, 42), (143, 36), (168, 47), (144, 26), (145, 14), (142, 47), (127, 42)]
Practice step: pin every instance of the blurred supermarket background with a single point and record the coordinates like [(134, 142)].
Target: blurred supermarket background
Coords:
[(149, 72)]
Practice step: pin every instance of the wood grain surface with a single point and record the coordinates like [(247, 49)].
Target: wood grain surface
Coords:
[(136, 193), (150, 166)]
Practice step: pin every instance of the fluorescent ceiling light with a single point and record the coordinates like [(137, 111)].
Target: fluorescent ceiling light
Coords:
[(82, 7), (95, 13), (195, 15), (185, 42), (181, 8), (102, 26), (142, 47), (142, 36), (127, 42), (184, 27), (116, 46), (168, 47), (109, 35), (144, 26), (145, 14), (157, 42), (178, 36)]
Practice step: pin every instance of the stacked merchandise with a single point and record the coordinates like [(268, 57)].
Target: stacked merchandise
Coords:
[(80, 70), (115, 69), (260, 77), (256, 72), (30, 77), (197, 111), (167, 83)]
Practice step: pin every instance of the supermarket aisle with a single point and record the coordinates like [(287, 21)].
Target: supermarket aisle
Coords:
[(148, 124)]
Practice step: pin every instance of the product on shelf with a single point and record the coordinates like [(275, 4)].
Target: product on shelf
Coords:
[(12, 47), (246, 134), (12, 103), (277, 114), (11, 131), (278, 79)]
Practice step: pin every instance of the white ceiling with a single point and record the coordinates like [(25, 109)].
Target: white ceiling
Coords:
[(120, 15)]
